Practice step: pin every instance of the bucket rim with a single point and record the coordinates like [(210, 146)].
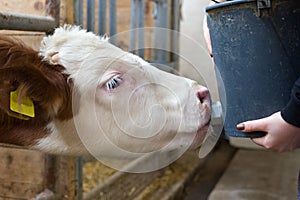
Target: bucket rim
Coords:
[(227, 3)]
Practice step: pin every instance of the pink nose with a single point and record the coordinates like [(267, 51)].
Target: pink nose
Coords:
[(203, 94)]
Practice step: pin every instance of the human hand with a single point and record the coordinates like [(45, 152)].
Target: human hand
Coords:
[(207, 36), (206, 29), (280, 135)]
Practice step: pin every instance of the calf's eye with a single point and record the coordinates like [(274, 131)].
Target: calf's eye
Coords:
[(113, 83)]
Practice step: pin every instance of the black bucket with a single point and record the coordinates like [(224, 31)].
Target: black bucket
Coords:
[(256, 48)]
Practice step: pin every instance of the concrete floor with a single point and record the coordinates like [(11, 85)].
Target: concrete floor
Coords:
[(259, 175), (226, 173), (256, 175)]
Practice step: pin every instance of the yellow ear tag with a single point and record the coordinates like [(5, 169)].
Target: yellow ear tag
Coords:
[(25, 108), (19, 116)]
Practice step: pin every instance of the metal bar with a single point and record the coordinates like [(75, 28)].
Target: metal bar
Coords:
[(262, 4), (22, 22), (78, 19), (90, 15), (78, 178), (102, 17), (161, 19), (141, 26), (112, 21), (78, 12), (175, 36), (133, 24)]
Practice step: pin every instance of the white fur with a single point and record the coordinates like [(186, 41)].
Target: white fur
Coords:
[(150, 110)]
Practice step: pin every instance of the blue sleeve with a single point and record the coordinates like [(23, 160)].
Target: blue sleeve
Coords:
[(291, 113)]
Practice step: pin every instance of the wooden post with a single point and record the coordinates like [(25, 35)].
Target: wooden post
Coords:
[(70, 11), (71, 186)]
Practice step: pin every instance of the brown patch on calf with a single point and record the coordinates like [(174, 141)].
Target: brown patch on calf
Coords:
[(22, 68)]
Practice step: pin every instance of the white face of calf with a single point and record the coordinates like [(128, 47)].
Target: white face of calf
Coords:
[(122, 104)]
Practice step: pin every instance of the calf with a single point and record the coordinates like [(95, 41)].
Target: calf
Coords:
[(84, 95)]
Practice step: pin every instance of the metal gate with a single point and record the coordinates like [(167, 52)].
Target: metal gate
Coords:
[(23, 22)]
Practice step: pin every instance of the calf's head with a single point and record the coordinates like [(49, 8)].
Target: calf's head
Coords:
[(120, 103)]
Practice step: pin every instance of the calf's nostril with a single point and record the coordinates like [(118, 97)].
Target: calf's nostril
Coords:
[(202, 94)]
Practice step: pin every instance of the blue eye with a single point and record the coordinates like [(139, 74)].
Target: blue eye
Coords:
[(114, 82)]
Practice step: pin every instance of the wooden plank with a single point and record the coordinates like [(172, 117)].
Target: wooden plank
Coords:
[(69, 10), (260, 175), (191, 173), (122, 185), (21, 173), (33, 7), (59, 176), (30, 39), (174, 179), (65, 180), (123, 24), (165, 184)]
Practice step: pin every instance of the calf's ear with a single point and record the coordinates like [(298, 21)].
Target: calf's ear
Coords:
[(47, 90)]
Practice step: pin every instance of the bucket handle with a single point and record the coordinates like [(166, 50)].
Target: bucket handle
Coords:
[(262, 4)]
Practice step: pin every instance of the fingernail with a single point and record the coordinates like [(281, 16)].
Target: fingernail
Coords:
[(240, 126)]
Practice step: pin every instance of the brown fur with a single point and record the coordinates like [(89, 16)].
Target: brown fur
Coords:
[(44, 83)]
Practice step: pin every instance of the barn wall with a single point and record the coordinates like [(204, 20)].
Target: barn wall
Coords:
[(21, 173)]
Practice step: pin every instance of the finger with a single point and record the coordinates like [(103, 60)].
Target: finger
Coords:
[(254, 125)]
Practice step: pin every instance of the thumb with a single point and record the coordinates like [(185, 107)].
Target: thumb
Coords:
[(254, 125)]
